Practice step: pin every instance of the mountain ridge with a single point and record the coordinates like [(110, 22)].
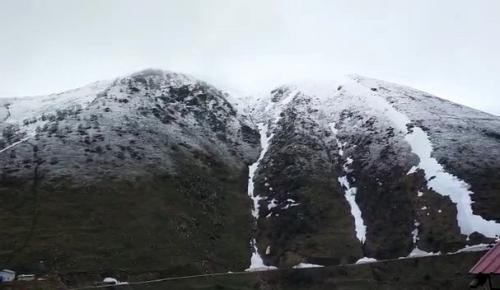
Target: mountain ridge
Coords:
[(350, 170)]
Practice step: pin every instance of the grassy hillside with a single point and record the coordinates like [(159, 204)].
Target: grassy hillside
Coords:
[(193, 222), (436, 272)]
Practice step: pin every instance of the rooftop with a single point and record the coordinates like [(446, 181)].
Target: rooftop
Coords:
[(489, 263)]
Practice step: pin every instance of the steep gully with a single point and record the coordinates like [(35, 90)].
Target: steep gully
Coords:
[(273, 111)]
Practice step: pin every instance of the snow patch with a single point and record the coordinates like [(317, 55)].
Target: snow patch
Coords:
[(350, 192), (475, 248), (449, 185), (366, 260), (421, 253), (272, 204), (350, 195), (113, 281), (291, 205), (306, 265), (412, 170), (415, 232), (264, 143), (256, 262)]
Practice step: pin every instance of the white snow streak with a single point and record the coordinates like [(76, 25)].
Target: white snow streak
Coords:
[(264, 143), (366, 260), (421, 253), (306, 265), (448, 185), (412, 170), (256, 262), (272, 111), (437, 178), (15, 144), (113, 281), (414, 233), (350, 192), (272, 204), (475, 248), (350, 195)]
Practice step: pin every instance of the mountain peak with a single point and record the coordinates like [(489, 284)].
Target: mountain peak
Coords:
[(155, 73)]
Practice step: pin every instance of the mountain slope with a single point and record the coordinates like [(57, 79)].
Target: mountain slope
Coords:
[(146, 171), (353, 164), (158, 170), (465, 141)]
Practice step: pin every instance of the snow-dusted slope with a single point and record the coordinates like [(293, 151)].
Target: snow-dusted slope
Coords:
[(158, 164), (438, 179), (465, 141), (303, 217), (383, 149), (124, 174), (17, 110), (148, 103), (21, 116)]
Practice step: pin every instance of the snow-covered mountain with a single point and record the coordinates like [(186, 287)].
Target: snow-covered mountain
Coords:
[(361, 167), (160, 170), (145, 171)]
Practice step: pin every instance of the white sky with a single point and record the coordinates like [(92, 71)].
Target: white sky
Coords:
[(447, 47)]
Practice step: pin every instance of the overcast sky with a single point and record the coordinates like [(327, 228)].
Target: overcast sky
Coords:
[(447, 47)]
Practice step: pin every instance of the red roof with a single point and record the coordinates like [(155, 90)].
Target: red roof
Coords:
[(489, 263)]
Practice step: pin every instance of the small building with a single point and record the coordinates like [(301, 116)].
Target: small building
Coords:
[(7, 275), (487, 269)]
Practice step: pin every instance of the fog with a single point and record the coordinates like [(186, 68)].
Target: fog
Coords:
[(448, 47)]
